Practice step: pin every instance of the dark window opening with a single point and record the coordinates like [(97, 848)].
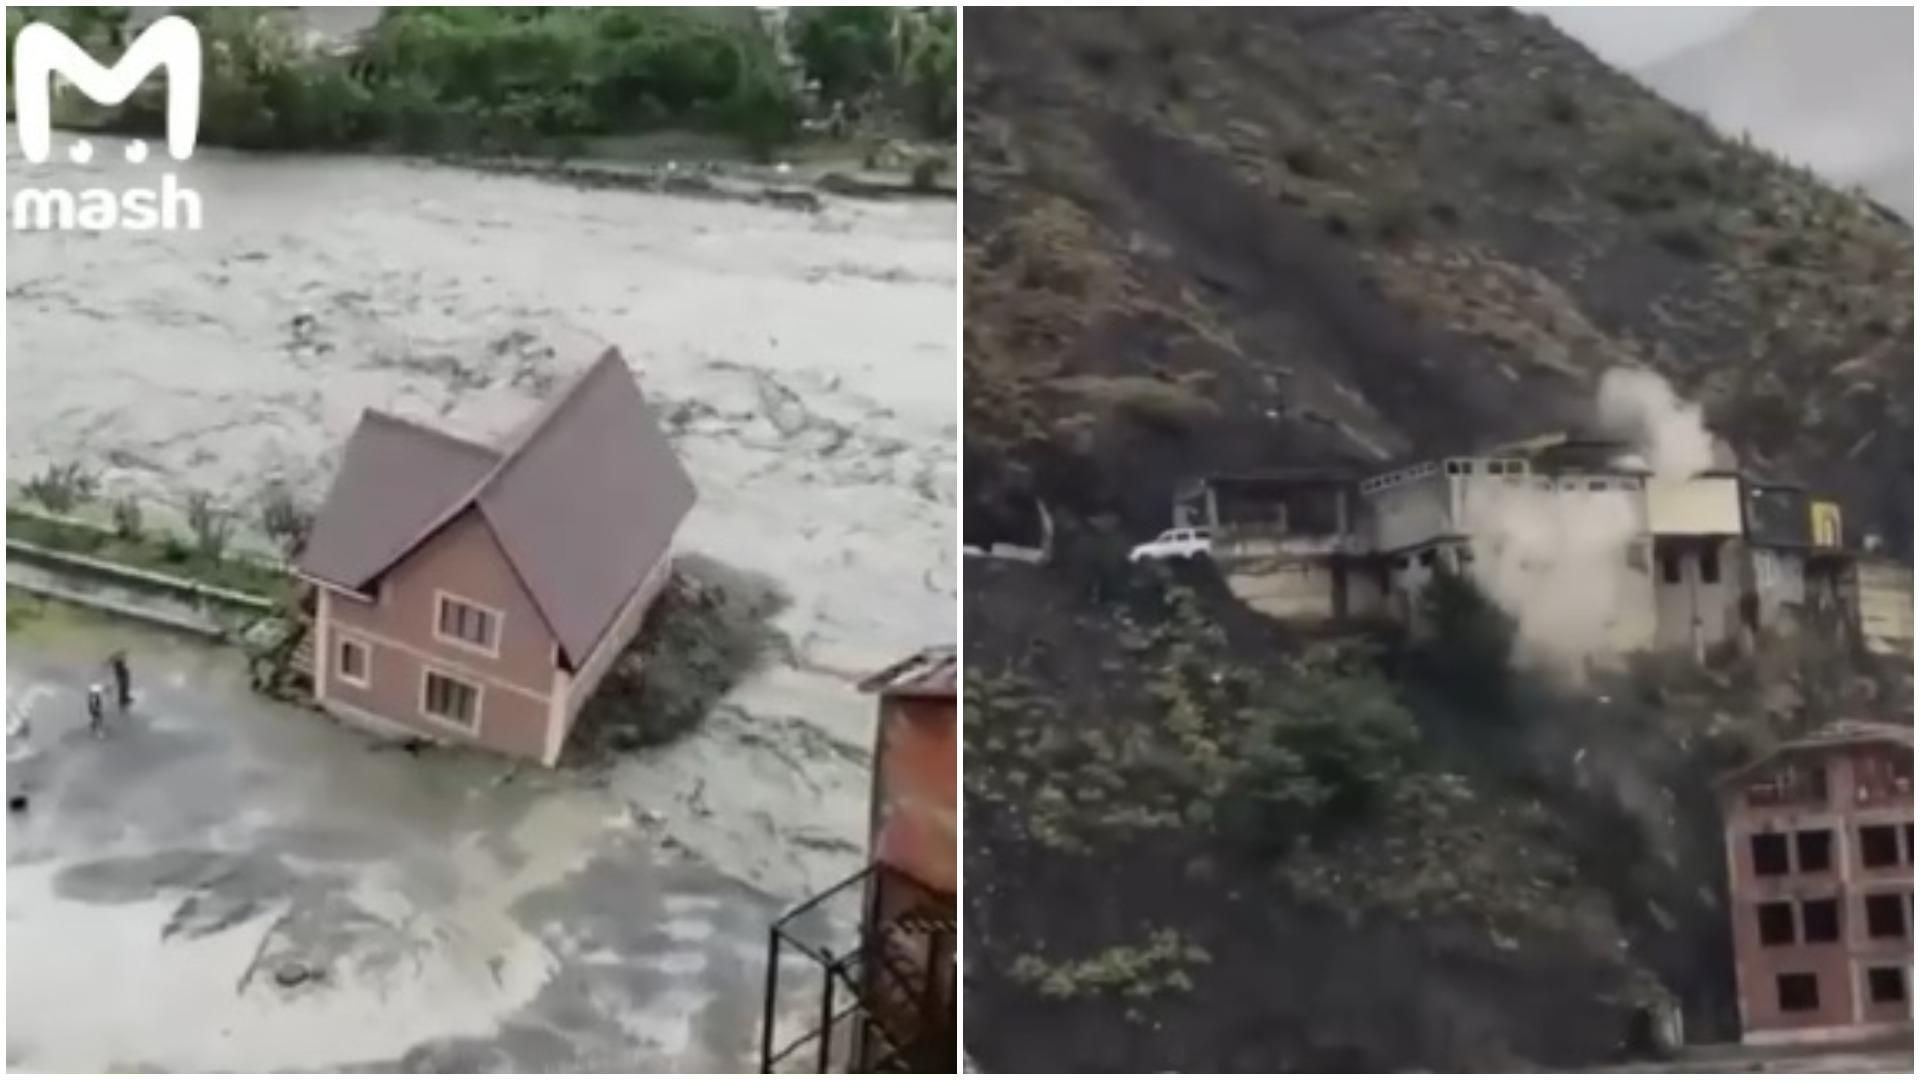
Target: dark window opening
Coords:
[(1815, 850), (1879, 845), (1770, 854), (1798, 993), (353, 660), (1426, 557), (1776, 923), (1886, 916), (1596, 485), (1820, 920), (1710, 566), (1670, 567), (1886, 985)]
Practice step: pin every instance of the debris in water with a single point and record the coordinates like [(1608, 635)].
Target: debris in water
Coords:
[(293, 973), (16, 803)]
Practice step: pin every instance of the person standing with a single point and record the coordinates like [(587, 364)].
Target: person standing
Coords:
[(122, 680), (96, 710)]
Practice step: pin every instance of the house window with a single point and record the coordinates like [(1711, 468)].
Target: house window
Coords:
[(1799, 992), (1710, 566), (1886, 915), (467, 623), (1426, 557), (1819, 920), (1815, 850), (353, 662), (1886, 985), (1770, 854), (1776, 923), (1879, 845), (446, 698), (1670, 567), (1596, 485)]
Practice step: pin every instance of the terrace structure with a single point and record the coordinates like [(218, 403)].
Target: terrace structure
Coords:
[(1289, 540)]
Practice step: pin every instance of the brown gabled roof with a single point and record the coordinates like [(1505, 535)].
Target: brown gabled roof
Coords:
[(584, 501), (396, 479)]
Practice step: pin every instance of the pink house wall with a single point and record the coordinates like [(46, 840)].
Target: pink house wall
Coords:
[(399, 627)]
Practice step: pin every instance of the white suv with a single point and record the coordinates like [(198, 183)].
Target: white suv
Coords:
[(1175, 544)]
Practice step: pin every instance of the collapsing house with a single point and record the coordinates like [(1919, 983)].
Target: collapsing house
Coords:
[(882, 943), (1689, 562), (479, 594)]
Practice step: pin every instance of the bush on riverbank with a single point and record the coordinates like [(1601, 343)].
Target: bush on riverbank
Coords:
[(517, 79), (153, 550), (908, 58)]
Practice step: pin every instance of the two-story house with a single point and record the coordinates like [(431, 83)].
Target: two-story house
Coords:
[(479, 594)]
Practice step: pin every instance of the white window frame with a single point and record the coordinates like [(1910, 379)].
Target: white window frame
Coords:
[(341, 641), (427, 671), (490, 650)]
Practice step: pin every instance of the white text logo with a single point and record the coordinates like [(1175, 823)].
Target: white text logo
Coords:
[(171, 46)]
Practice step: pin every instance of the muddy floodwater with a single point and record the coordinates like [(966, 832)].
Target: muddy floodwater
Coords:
[(805, 364)]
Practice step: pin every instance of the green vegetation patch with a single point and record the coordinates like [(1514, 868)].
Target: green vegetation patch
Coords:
[(159, 552), (1159, 966), (526, 79)]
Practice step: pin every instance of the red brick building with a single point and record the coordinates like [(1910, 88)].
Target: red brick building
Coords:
[(886, 998), (1820, 872)]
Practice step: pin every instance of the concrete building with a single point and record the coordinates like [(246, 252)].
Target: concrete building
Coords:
[(1819, 838), (1879, 592), (479, 594), (1507, 520), (1687, 564), (1796, 559), (1288, 541), (1695, 525)]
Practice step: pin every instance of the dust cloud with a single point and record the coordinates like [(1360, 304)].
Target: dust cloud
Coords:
[(1641, 408), (1570, 562)]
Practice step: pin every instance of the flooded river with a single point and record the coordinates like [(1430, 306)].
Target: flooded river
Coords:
[(806, 363)]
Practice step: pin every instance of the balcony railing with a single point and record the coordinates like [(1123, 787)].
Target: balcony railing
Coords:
[(883, 1000)]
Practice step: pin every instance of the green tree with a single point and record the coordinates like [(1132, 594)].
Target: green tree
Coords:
[(850, 50), (1466, 650)]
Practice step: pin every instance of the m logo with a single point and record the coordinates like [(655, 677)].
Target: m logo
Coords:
[(171, 45)]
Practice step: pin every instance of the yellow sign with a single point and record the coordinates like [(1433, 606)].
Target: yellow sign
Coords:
[(1826, 524)]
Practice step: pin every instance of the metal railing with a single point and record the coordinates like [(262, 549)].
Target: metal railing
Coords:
[(886, 1000)]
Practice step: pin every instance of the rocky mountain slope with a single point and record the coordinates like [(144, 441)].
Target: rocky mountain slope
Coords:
[(1203, 241)]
